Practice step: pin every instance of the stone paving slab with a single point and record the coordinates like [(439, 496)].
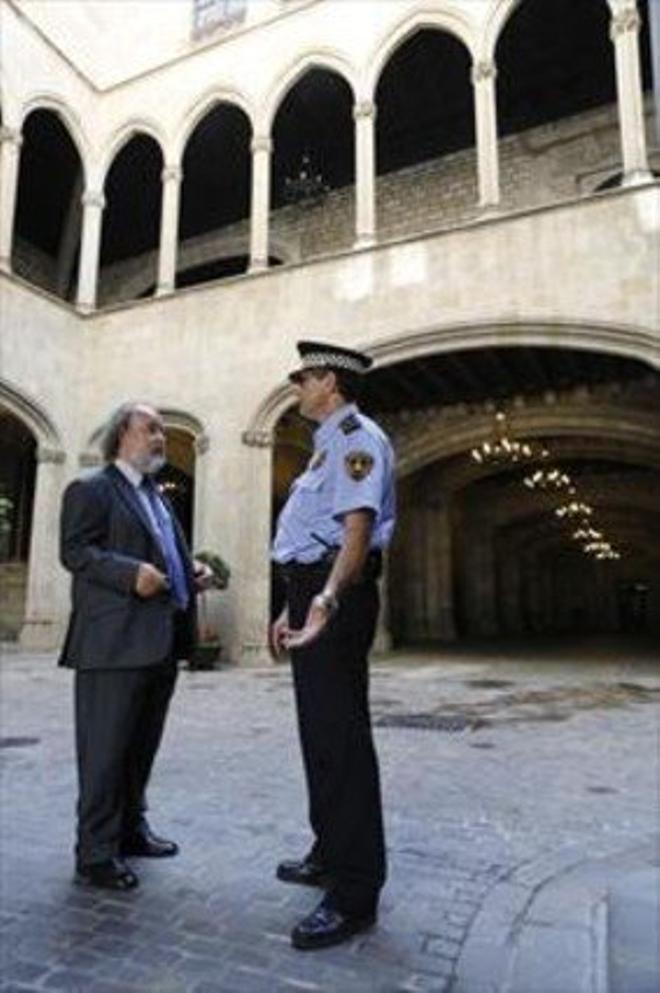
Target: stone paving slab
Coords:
[(556, 772)]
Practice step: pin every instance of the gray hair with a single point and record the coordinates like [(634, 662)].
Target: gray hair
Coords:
[(116, 427)]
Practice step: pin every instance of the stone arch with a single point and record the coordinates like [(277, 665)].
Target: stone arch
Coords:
[(534, 420), (124, 134), (498, 18), (31, 413), (625, 341), (174, 417), (74, 127), (327, 59), (450, 22), (198, 111)]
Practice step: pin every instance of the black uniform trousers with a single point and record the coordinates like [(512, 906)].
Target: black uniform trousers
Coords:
[(331, 679), (120, 715)]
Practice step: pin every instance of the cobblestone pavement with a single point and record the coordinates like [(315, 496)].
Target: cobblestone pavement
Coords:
[(501, 770)]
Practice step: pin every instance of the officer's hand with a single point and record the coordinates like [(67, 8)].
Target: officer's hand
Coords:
[(317, 618), (277, 634), (150, 581)]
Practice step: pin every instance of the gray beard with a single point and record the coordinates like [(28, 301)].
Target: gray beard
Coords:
[(151, 464)]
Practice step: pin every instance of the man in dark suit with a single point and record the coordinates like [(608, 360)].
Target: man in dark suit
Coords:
[(132, 619)]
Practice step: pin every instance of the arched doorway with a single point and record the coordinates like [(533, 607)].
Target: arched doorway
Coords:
[(48, 217), (18, 466), (485, 547), (529, 489), (177, 477), (313, 164), (131, 220)]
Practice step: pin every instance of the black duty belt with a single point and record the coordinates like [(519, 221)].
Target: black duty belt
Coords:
[(291, 570)]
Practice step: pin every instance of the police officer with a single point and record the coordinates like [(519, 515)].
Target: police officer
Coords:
[(330, 535)]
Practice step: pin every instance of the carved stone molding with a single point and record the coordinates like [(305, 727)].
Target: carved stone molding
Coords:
[(483, 70), (172, 174), (202, 444), (625, 21), (93, 198), (261, 143), (11, 136), (54, 456), (90, 460), (257, 439), (364, 108)]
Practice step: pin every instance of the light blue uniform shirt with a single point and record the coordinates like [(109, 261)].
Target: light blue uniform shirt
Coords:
[(351, 468)]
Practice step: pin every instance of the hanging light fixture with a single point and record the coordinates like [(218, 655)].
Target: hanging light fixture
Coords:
[(549, 479), (306, 188), (574, 509), (502, 448)]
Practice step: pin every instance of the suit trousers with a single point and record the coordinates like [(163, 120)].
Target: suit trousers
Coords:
[(331, 680), (120, 715)]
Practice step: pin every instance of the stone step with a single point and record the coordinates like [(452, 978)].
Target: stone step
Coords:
[(633, 933), (569, 925)]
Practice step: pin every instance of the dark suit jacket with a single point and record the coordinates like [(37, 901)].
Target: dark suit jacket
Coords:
[(105, 534)]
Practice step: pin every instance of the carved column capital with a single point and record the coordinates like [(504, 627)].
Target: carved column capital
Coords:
[(171, 174), (364, 108), (202, 444), (54, 456), (11, 136), (483, 70), (93, 198), (257, 439), (625, 21), (261, 143), (90, 460)]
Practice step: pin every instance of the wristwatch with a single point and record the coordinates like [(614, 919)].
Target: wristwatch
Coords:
[(326, 600)]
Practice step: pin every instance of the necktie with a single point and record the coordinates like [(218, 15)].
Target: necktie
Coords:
[(167, 540)]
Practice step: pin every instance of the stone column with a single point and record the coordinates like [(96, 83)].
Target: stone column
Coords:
[(383, 636), (90, 249), (485, 110), (68, 246), (262, 148), (624, 32), (47, 590), (439, 574), (252, 592), (364, 114), (171, 177), (10, 155)]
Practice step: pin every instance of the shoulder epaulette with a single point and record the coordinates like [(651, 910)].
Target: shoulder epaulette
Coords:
[(350, 424)]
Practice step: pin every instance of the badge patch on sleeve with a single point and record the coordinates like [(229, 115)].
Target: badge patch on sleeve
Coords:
[(359, 465)]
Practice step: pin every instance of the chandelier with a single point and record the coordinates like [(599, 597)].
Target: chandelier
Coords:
[(502, 448), (549, 479), (576, 508), (306, 188)]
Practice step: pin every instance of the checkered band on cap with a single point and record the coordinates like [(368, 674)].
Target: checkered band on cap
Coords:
[(336, 360)]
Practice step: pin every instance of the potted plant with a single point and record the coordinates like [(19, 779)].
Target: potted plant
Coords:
[(209, 646)]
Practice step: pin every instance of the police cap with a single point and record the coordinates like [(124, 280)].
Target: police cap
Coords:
[(323, 355)]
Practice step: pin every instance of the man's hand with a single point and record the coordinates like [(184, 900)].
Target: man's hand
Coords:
[(203, 576), (277, 634), (318, 616), (150, 581)]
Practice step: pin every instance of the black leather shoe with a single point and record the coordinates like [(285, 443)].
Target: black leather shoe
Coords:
[(303, 871), (147, 845), (112, 874), (327, 926)]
